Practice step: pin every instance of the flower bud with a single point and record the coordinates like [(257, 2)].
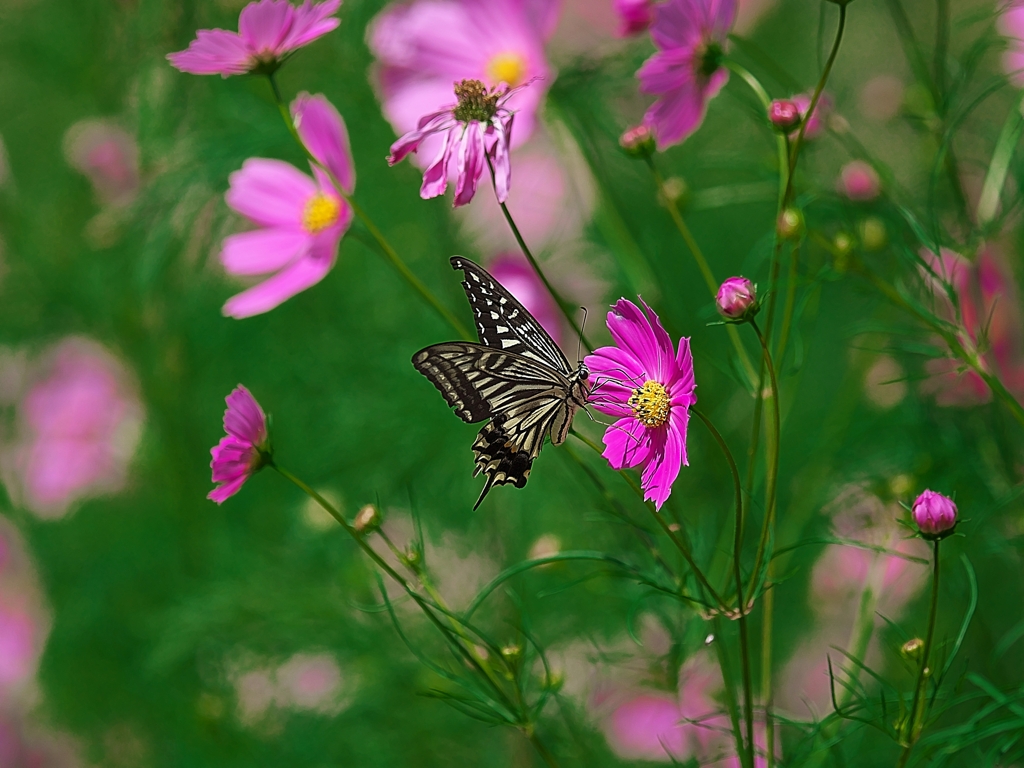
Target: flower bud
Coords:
[(784, 115), (638, 141), (790, 225), (912, 648), (736, 299), (934, 515), (367, 519), (859, 181), (872, 233), (512, 651), (673, 191), (634, 16)]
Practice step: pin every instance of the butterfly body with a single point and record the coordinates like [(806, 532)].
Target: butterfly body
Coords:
[(516, 378)]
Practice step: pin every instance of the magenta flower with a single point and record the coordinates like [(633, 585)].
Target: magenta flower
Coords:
[(634, 16), (301, 219), (687, 71), (649, 387), (784, 115), (108, 156), (268, 31), (477, 128), (934, 514), (244, 450), (1011, 25), (735, 298), (859, 181)]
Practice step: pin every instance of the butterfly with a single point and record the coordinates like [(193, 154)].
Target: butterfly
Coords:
[(516, 377)]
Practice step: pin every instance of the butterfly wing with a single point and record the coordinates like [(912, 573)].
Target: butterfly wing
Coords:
[(503, 323)]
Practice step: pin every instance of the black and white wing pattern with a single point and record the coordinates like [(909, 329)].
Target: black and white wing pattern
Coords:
[(517, 378)]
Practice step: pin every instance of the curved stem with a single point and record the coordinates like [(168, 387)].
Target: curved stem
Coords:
[(773, 469), (389, 252), (562, 305)]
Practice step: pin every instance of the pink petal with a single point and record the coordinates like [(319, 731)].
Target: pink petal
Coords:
[(244, 418), (213, 52), (303, 274), (271, 193), (668, 454), (470, 164), (410, 142), (632, 330), (435, 178), (264, 26), (263, 251), (679, 24), (310, 22), (681, 383), (222, 493), (502, 166), (677, 114), (323, 132), (627, 443)]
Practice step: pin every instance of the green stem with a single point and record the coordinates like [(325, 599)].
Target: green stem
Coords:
[(789, 305), (995, 177), (562, 304), (768, 603), (702, 264), (941, 43), (730, 697), (919, 708), (389, 252), (773, 461), (542, 750)]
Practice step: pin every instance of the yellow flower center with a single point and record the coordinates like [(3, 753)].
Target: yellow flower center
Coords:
[(650, 404), (507, 68), (320, 212)]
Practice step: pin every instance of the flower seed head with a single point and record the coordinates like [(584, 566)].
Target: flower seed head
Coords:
[(934, 515), (651, 404), (475, 101)]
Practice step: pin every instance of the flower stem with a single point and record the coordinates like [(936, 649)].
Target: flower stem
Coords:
[(702, 264), (768, 527), (919, 707), (995, 177), (562, 304), (542, 750), (389, 252)]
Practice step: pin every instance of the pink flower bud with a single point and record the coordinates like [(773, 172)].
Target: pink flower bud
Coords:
[(814, 120), (784, 115), (634, 16), (934, 514), (736, 297), (637, 141), (859, 181)]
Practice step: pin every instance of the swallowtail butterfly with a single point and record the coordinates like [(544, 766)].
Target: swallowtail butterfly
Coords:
[(516, 377)]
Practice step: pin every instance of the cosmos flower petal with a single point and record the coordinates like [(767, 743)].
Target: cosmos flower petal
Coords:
[(668, 451), (222, 493), (244, 418), (627, 443), (271, 193), (631, 330), (273, 291), (213, 52), (312, 21), (470, 163), (502, 167), (263, 250), (264, 25), (323, 132), (435, 178)]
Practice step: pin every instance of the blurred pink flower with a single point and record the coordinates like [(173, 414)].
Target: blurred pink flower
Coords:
[(859, 181), (268, 31), (424, 46), (80, 425), (881, 97), (649, 387), (815, 125), (309, 682), (245, 448), (476, 130), (108, 156), (19, 647), (687, 71), (634, 16), (1011, 26), (301, 220), (516, 274), (990, 318)]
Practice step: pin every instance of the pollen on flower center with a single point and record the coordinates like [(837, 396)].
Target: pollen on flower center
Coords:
[(508, 67), (320, 212), (475, 101), (650, 404)]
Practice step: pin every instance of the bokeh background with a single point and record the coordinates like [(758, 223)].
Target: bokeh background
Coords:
[(143, 625)]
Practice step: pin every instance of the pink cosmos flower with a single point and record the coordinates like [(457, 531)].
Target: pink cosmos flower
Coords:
[(514, 272), (301, 219), (650, 388), (634, 16), (859, 181), (268, 31), (424, 46), (687, 71), (80, 423), (19, 647), (310, 682), (477, 129), (1011, 26), (108, 156), (244, 450)]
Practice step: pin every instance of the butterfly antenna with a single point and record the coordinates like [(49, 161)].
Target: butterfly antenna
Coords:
[(579, 341)]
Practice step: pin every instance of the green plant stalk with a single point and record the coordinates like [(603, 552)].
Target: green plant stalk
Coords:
[(767, 694), (995, 176), (748, 693), (389, 252), (941, 44), (789, 305), (702, 265), (730, 697), (919, 707), (562, 305), (773, 468)]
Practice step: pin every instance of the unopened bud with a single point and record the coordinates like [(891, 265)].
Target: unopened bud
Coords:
[(873, 235), (912, 648), (736, 299), (859, 182), (367, 519), (638, 141), (790, 225), (673, 191), (784, 115), (934, 515), (512, 651)]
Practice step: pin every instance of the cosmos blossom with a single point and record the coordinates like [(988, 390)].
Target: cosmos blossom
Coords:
[(301, 220), (1011, 25), (687, 71), (268, 31), (649, 387), (244, 450)]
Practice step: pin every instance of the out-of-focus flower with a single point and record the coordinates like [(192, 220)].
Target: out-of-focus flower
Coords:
[(784, 115), (546, 545), (19, 647), (859, 181), (934, 514), (424, 46), (736, 298), (881, 97), (80, 423), (884, 382), (517, 275), (367, 519), (687, 70), (649, 386), (108, 156), (815, 123), (310, 682), (1011, 26), (268, 31), (476, 131), (634, 16), (638, 141), (301, 219), (244, 450), (790, 225)]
